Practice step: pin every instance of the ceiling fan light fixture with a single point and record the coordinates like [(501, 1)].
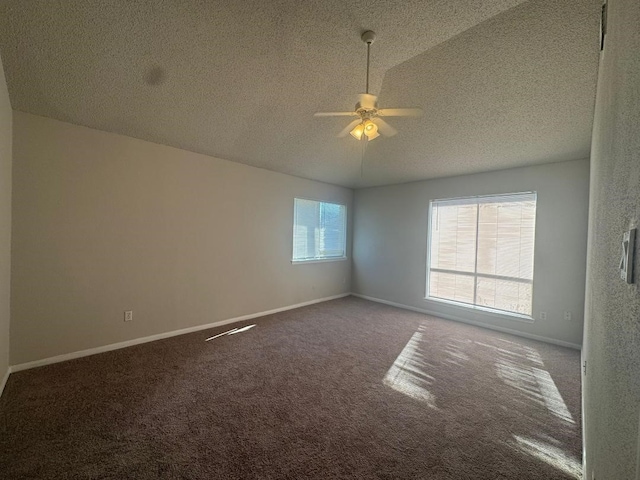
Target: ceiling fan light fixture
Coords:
[(369, 121), (372, 135), (358, 131), (370, 130)]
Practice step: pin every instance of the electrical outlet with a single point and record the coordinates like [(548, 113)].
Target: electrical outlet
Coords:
[(128, 315), (543, 315), (567, 316)]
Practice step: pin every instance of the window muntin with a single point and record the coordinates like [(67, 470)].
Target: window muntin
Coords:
[(319, 230), (481, 251)]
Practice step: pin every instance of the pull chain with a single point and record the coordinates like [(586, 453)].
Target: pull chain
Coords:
[(363, 143)]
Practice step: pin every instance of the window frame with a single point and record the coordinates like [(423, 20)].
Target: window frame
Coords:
[(319, 259), (472, 306)]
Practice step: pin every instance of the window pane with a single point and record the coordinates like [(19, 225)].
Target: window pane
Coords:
[(488, 238), (504, 295), (318, 230), (486, 293), (506, 239), (503, 250), (451, 286), (453, 240), (508, 250), (304, 229), (527, 236), (332, 230)]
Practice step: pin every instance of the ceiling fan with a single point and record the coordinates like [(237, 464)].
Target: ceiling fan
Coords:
[(369, 124)]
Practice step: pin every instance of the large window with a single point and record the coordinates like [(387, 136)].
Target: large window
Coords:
[(481, 251), (319, 230)]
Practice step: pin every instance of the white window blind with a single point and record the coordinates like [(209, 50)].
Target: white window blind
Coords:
[(481, 251), (319, 230)]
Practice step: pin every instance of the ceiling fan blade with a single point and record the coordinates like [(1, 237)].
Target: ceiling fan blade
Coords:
[(400, 112), (385, 129), (348, 128), (335, 114)]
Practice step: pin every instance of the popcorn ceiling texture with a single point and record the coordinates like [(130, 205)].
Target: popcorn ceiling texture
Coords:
[(516, 90), (503, 83), (612, 328)]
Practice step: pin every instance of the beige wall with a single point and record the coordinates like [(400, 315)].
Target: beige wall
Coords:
[(390, 244), (611, 387), (5, 221), (105, 223)]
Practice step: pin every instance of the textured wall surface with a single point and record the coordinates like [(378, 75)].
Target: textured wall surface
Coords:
[(612, 327), (104, 223), (5, 221), (390, 243)]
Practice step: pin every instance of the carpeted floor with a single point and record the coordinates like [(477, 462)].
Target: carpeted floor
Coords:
[(346, 389)]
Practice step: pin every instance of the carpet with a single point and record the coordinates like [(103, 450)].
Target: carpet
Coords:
[(346, 389)]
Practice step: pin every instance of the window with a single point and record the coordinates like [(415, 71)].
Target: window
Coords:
[(481, 251), (319, 230)]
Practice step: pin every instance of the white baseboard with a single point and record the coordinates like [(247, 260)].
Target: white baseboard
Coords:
[(456, 318), (4, 380), (160, 336)]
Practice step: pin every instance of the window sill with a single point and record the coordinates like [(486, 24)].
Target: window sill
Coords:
[(318, 260), (491, 312)]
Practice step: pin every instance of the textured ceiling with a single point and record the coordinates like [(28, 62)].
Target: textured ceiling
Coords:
[(502, 82)]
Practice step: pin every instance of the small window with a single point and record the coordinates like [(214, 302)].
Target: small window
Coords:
[(319, 230), (481, 251)]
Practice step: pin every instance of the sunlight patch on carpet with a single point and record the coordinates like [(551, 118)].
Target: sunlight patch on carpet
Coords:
[(524, 371), (407, 374), (549, 454), (551, 395), (231, 332)]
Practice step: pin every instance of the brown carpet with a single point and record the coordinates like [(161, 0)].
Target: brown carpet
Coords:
[(343, 389)]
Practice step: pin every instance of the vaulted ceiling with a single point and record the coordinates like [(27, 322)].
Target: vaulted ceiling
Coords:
[(502, 82)]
